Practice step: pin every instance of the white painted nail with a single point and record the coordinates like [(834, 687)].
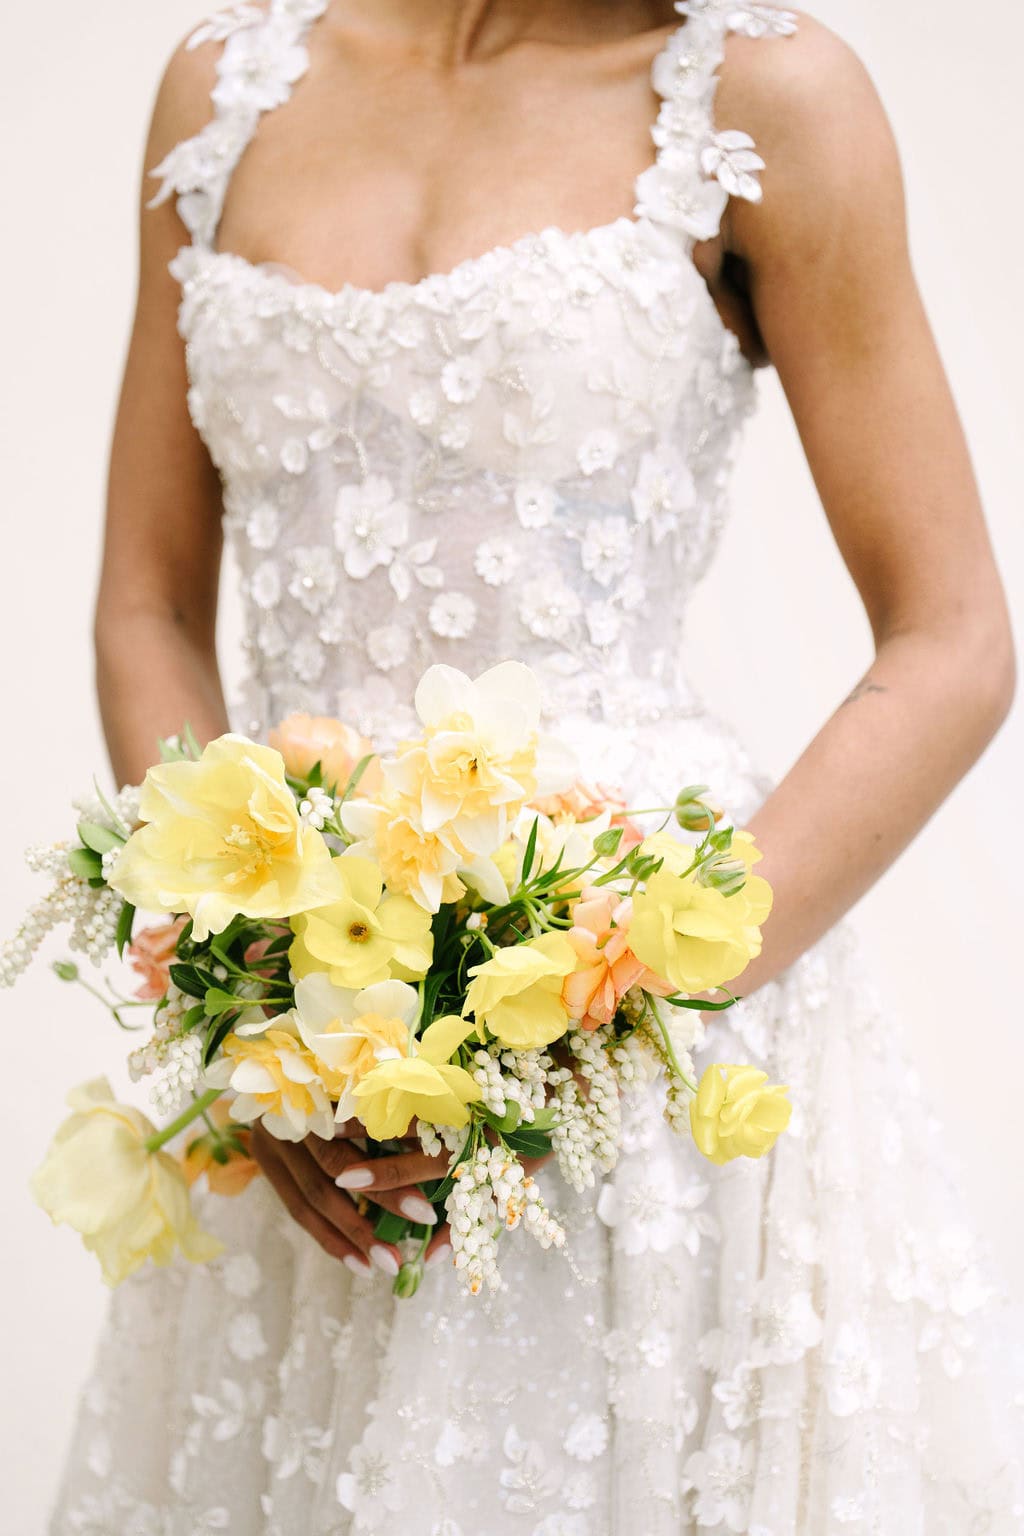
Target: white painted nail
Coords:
[(357, 1266), (385, 1260), (442, 1255), (354, 1178), (418, 1209)]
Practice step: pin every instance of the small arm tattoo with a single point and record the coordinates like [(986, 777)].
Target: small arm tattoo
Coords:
[(865, 686)]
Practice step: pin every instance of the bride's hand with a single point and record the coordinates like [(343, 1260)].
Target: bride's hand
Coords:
[(304, 1175)]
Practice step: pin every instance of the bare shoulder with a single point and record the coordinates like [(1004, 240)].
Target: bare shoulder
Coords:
[(810, 105), (182, 106)]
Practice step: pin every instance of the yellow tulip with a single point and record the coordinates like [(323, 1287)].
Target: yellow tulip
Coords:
[(695, 937), (517, 993), (736, 1112), (366, 935), (129, 1204), (424, 1086), (223, 836)]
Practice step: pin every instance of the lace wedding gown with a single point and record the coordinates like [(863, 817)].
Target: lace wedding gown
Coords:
[(528, 456)]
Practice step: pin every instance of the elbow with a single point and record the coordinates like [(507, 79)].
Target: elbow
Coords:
[(990, 669)]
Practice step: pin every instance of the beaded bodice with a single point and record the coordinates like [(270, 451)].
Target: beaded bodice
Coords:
[(525, 456)]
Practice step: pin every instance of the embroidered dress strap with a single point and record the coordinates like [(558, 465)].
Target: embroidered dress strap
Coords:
[(263, 56), (698, 167)]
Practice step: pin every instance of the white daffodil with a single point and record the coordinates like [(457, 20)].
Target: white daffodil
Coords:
[(349, 1032)]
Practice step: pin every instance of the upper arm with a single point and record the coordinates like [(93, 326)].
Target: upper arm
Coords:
[(163, 539), (837, 304)]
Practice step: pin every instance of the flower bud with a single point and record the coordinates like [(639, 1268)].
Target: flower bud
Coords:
[(725, 875), (67, 970), (606, 844), (692, 812), (408, 1280)]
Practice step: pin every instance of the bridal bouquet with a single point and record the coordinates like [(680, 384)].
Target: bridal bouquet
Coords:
[(460, 942)]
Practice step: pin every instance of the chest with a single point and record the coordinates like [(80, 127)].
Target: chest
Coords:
[(379, 171)]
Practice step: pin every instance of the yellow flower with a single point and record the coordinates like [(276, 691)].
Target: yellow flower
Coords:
[(693, 936), (223, 836), (277, 1080), (129, 1204), (350, 1032), (365, 935), (517, 993), (423, 1086), (736, 1112), (414, 863)]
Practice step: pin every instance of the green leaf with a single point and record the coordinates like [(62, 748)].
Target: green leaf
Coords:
[(86, 864), (192, 1018), (216, 1035), (188, 736), (698, 1004), (356, 774), (391, 1228), (217, 1001), (529, 852), (543, 1119), (187, 979), (506, 1122), (99, 839), (528, 1142), (124, 927)]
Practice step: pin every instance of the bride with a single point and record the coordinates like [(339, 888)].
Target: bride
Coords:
[(457, 360)]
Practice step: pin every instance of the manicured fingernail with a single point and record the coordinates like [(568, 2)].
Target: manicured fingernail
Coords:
[(442, 1255), (418, 1209), (354, 1178), (357, 1266), (385, 1260)]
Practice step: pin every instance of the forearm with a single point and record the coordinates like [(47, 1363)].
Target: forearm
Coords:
[(153, 678), (871, 778)]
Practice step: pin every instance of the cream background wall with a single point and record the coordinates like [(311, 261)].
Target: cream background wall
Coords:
[(945, 924)]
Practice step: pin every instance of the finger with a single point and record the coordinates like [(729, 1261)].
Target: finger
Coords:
[(439, 1249), (287, 1191), (337, 1157), (398, 1172), (320, 1192)]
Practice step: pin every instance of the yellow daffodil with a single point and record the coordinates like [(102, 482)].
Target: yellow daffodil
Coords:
[(350, 1032), (223, 836), (365, 935), (736, 1112), (517, 993), (693, 936), (129, 1204), (276, 1079), (414, 863), (424, 1086)]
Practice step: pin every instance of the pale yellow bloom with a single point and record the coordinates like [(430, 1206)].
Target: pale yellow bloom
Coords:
[(517, 993), (414, 863), (223, 836), (736, 1112), (129, 1205), (365, 935), (350, 1032), (424, 1086), (695, 937), (277, 1080)]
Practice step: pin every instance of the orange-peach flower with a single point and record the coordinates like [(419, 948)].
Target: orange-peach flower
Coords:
[(151, 953), (303, 740), (606, 967), (228, 1178), (583, 801)]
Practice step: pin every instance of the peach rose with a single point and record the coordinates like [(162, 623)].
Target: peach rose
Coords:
[(606, 967), (228, 1178), (583, 801), (151, 952), (303, 740)]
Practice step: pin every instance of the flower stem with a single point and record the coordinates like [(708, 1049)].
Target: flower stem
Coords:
[(195, 1109)]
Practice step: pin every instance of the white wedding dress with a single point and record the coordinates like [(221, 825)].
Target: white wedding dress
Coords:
[(529, 457)]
